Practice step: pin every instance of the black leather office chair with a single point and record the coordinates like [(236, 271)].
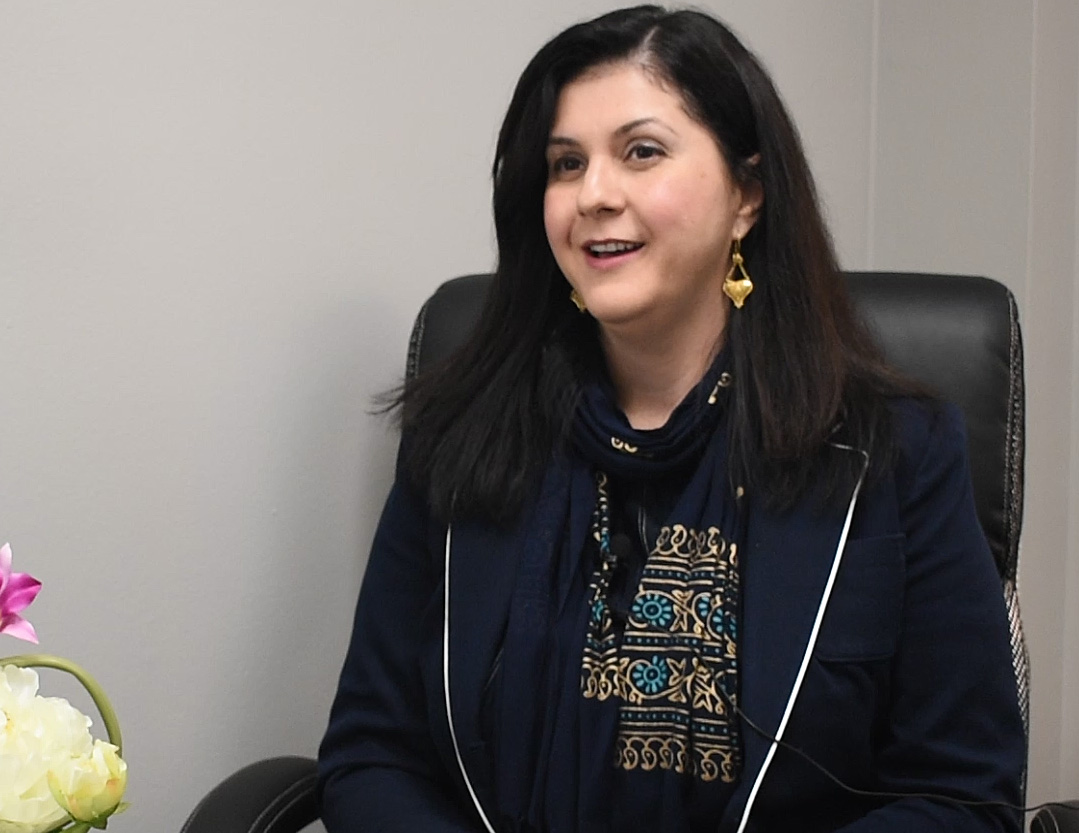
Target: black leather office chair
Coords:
[(959, 335)]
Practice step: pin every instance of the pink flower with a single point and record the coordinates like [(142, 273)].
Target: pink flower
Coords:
[(17, 590)]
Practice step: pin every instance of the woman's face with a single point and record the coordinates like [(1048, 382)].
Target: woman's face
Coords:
[(640, 207)]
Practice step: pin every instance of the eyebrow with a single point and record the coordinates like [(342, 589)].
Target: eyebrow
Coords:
[(628, 127)]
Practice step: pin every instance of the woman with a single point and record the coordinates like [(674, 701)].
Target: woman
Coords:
[(616, 521)]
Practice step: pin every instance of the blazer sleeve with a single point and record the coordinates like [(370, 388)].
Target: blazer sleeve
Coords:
[(379, 771), (954, 726)]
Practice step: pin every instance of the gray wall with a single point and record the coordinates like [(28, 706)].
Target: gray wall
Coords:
[(218, 218)]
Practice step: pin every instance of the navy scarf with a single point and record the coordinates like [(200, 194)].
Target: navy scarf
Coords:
[(654, 691)]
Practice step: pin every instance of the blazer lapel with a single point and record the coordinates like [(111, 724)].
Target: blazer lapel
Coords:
[(485, 566), (786, 560)]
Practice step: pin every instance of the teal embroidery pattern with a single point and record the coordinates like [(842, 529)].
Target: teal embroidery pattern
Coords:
[(674, 667)]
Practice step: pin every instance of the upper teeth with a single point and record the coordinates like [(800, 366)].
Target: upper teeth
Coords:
[(612, 247)]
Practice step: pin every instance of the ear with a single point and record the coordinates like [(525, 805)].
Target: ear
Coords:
[(752, 195)]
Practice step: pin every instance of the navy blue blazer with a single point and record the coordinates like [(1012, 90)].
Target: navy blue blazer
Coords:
[(909, 688)]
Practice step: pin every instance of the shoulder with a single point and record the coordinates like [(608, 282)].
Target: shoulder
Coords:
[(923, 466), (932, 476), (924, 428)]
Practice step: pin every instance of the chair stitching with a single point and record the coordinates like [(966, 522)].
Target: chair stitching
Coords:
[(1015, 493), (1008, 449), (1016, 417), (1020, 660), (412, 363)]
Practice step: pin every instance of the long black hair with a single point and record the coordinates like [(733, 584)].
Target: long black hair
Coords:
[(481, 427)]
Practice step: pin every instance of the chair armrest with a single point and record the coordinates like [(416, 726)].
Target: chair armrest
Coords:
[(276, 795), (1057, 819)]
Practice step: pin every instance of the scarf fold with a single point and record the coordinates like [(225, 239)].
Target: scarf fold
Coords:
[(603, 436)]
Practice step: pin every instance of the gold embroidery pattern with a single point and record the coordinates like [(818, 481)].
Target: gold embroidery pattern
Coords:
[(675, 670), (648, 752), (622, 445)]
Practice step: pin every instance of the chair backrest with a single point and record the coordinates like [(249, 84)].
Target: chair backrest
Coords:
[(959, 335)]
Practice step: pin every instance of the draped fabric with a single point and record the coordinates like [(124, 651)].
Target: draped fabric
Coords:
[(613, 716)]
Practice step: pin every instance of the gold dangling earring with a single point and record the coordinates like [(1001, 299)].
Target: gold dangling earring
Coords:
[(737, 290), (578, 301)]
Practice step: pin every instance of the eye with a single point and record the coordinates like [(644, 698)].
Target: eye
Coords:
[(565, 165), (644, 152)]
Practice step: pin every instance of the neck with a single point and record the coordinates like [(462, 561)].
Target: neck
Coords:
[(652, 372)]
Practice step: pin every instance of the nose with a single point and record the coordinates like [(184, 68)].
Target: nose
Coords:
[(600, 190)]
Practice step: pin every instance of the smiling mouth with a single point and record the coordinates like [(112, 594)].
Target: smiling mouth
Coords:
[(612, 248)]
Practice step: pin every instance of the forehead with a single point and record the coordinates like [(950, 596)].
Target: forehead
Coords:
[(624, 91)]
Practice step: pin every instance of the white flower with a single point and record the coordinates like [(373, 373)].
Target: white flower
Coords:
[(90, 787), (36, 733)]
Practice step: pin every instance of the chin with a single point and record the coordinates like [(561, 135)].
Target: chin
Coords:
[(619, 312)]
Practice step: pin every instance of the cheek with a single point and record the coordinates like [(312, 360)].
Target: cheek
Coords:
[(672, 206), (688, 206), (555, 221)]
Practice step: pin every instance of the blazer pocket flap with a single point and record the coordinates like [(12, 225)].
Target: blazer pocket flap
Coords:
[(863, 615)]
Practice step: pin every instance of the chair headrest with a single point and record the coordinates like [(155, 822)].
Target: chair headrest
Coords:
[(960, 336)]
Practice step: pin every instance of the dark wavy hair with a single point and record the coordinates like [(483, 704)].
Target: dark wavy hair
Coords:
[(481, 427)]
